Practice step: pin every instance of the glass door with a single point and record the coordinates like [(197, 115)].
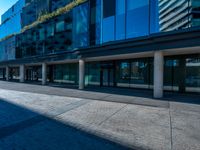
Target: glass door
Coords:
[(107, 76)]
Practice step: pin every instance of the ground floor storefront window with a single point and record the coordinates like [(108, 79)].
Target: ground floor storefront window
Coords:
[(13, 73), (33, 73), (92, 74), (65, 73), (182, 73), (2, 73), (133, 73)]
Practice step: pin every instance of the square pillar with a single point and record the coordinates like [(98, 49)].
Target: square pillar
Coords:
[(81, 74), (44, 73), (158, 74), (21, 73), (7, 73)]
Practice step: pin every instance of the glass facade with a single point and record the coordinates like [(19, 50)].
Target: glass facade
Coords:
[(124, 19), (33, 73), (136, 73), (11, 19), (182, 74), (120, 19), (2, 74), (14, 73), (92, 76), (65, 73), (7, 49), (60, 26), (81, 26), (137, 10), (97, 22), (93, 23)]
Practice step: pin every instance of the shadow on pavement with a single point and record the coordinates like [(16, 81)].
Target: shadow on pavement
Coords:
[(24, 129)]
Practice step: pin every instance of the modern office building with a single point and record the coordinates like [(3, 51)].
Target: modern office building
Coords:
[(113, 43), (178, 14), (11, 19)]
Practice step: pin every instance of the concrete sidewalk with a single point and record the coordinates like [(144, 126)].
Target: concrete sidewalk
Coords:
[(41, 121), (122, 95)]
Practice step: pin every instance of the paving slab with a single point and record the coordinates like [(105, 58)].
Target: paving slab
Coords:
[(132, 125), (185, 130)]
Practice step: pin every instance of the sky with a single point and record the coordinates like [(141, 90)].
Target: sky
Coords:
[(5, 5)]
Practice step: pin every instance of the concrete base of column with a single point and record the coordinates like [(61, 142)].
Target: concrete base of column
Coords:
[(81, 74), (158, 74)]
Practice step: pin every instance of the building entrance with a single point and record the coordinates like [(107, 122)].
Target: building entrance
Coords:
[(107, 74), (34, 73)]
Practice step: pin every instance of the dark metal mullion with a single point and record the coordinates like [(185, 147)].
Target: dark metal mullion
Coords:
[(149, 21), (172, 75), (130, 66), (125, 18)]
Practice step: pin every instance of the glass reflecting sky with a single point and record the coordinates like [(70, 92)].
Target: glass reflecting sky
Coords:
[(5, 5)]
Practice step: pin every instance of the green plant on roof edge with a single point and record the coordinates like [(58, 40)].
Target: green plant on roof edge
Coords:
[(48, 16), (53, 14)]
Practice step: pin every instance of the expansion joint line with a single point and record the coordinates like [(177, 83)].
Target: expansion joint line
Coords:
[(113, 114), (171, 133)]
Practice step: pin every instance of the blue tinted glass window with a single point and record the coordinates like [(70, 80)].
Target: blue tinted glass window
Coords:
[(42, 34), (120, 6), (137, 23), (109, 29), (50, 30), (120, 19), (120, 27), (98, 21), (60, 26), (154, 16), (80, 25)]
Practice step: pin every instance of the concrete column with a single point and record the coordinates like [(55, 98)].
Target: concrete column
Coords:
[(21, 73), (81, 74), (44, 73), (7, 73), (158, 74)]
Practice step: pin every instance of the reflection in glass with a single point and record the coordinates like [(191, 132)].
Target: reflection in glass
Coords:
[(193, 74), (50, 30), (123, 74), (92, 76), (60, 26), (108, 29), (80, 25), (66, 73), (137, 23), (42, 34)]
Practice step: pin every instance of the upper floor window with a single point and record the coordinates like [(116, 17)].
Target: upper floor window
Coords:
[(42, 34), (34, 36), (60, 26), (69, 26), (120, 7), (50, 30)]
